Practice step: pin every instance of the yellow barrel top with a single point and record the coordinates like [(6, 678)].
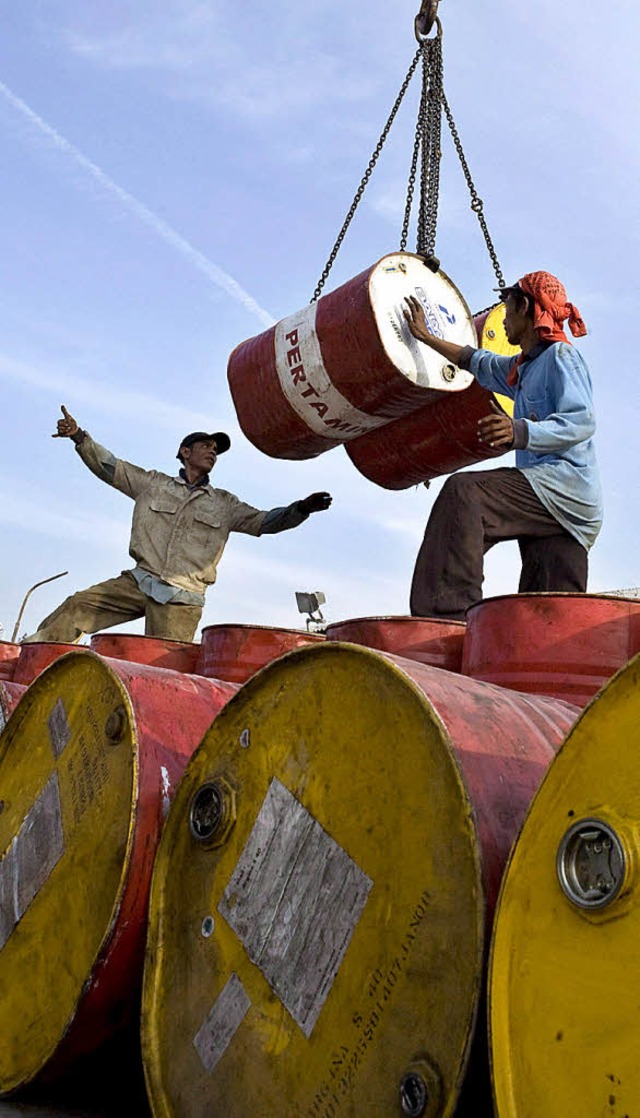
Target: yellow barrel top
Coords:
[(317, 868), (68, 776), (565, 971), (495, 339)]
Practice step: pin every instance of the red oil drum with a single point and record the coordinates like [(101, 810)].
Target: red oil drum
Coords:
[(9, 653), (339, 908), (179, 656), (35, 657), (428, 641), (10, 695), (236, 652), (89, 763), (438, 439), (563, 645), (348, 364)]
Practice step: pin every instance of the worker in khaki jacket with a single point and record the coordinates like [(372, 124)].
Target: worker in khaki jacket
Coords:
[(179, 531)]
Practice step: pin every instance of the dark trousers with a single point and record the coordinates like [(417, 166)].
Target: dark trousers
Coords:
[(474, 511)]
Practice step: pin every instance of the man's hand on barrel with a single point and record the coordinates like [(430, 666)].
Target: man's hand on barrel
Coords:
[(497, 429), (67, 427), (417, 323), (316, 502)]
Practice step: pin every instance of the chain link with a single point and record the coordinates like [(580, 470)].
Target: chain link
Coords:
[(428, 152), (367, 175), (477, 205), (431, 148)]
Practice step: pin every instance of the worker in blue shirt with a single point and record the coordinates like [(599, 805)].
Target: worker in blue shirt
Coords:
[(551, 501)]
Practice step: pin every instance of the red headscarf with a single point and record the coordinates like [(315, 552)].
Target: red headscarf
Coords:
[(550, 309)]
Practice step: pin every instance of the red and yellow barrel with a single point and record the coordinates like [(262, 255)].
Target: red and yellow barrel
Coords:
[(35, 657), (565, 964), (348, 364), (9, 653), (426, 640), (438, 439), (236, 652), (564, 645), (89, 761), (322, 887), (157, 652)]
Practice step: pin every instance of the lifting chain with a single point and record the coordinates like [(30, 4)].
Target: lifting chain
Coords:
[(477, 205), (367, 175), (426, 152)]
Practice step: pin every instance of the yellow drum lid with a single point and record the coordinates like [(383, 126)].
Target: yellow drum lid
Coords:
[(565, 971), (67, 780), (495, 339), (317, 875)]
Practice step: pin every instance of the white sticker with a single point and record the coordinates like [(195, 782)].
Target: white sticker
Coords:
[(222, 1023), (306, 383), (34, 853), (294, 900), (59, 729)]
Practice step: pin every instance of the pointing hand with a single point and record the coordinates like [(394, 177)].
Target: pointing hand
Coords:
[(67, 427)]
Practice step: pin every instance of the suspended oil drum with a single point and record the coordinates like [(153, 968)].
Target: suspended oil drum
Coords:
[(439, 439), (158, 652), (564, 645), (88, 763), (9, 653), (10, 695), (320, 892), (348, 364), (236, 652), (565, 963), (35, 657), (426, 640)]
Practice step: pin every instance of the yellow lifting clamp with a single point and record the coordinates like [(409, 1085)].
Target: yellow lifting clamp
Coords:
[(425, 19)]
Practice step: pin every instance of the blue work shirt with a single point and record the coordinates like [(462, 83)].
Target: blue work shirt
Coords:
[(555, 423)]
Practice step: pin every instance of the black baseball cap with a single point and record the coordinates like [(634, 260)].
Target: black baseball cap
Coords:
[(513, 289), (222, 441)]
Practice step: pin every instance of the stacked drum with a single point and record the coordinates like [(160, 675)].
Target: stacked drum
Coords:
[(348, 364), (326, 877)]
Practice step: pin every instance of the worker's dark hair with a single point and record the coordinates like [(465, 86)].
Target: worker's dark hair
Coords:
[(519, 296)]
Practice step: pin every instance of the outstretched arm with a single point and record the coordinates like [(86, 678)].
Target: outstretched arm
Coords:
[(280, 520), (126, 477)]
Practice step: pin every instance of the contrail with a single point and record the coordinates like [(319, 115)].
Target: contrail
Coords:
[(133, 205)]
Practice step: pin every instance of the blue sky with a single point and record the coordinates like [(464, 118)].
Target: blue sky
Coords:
[(174, 175)]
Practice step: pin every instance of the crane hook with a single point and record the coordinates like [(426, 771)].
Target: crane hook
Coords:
[(425, 19)]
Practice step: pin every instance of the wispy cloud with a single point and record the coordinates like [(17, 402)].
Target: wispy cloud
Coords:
[(29, 511), (211, 53), (116, 400), (137, 208)]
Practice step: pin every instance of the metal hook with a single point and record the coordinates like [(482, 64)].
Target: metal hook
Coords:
[(425, 19)]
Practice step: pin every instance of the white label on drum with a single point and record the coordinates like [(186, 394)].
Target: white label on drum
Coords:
[(306, 383), (59, 729), (222, 1023), (34, 853), (395, 278), (294, 900)]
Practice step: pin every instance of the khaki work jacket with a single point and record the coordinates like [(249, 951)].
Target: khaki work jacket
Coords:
[(177, 533)]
